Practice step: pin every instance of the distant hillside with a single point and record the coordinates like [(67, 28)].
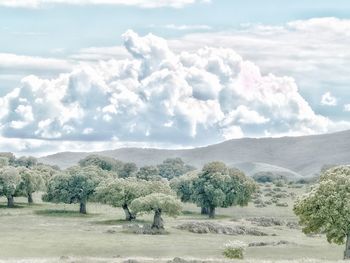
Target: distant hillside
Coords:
[(303, 155)]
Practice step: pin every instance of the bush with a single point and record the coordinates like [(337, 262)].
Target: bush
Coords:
[(234, 249)]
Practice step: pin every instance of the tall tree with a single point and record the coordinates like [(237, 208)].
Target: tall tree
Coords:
[(75, 185), (326, 208), (31, 181), (173, 167), (121, 192), (9, 181), (220, 186), (157, 203)]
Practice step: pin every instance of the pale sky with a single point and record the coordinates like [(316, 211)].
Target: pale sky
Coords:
[(93, 75)]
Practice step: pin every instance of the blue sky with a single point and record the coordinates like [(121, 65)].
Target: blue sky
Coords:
[(300, 42)]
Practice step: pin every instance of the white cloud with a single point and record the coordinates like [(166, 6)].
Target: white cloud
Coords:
[(347, 107), (185, 27), (328, 99), (158, 96), (12, 63), (139, 3)]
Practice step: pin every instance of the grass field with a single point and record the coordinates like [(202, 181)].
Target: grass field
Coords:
[(56, 232)]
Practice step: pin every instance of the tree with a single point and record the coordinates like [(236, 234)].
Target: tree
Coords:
[(31, 181), (75, 185), (9, 181), (149, 173), (220, 186), (326, 208), (158, 203), (26, 161), (4, 161), (10, 156), (128, 170), (46, 172), (173, 167), (121, 192), (104, 162)]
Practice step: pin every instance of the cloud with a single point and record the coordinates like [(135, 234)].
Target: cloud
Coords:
[(328, 99), (17, 63), (347, 107), (157, 97), (185, 27), (138, 3)]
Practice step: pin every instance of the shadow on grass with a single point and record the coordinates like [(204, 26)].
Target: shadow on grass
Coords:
[(61, 213), (18, 205), (119, 222), (197, 215)]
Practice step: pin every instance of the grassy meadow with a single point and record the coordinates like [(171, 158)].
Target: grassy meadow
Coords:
[(56, 232)]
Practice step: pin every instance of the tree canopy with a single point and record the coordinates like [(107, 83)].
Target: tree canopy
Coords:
[(9, 181), (149, 173), (326, 207), (158, 203), (173, 167), (75, 185), (31, 181), (220, 186)]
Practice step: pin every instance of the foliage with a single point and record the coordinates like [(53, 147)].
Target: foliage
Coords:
[(46, 172), (157, 201), (104, 162), (149, 173), (9, 181), (269, 177), (4, 161), (220, 186), (24, 161), (234, 249), (183, 186), (75, 185), (128, 170), (31, 181), (10, 156), (326, 207), (173, 167)]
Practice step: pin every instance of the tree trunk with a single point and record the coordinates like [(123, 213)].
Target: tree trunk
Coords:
[(82, 208), (30, 198), (10, 202), (204, 210), (157, 220), (128, 215), (347, 247), (211, 212)]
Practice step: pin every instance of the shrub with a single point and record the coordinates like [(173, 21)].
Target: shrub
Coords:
[(234, 249)]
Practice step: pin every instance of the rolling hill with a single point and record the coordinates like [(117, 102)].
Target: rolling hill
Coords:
[(303, 155)]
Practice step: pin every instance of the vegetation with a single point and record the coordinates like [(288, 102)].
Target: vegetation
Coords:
[(31, 182), (158, 203), (326, 208), (234, 249), (9, 181), (220, 186), (173, 167)]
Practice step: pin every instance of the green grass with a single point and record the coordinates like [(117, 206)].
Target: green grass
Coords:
[(48, 231)]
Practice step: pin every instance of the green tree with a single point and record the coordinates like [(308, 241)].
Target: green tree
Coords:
[(121, 192), (31, 182), (104, 162), (157, 203), (220, 186), (149, 173), (46, 172), (128, 170), (9, 181), (173, 167), (75, 185), (4, 161), (326, 208), (29, 161), (10, 156)]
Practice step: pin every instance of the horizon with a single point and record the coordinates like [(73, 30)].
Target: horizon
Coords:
[(101, 75)]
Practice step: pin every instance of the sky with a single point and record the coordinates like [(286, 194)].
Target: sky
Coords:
[(85, 75)]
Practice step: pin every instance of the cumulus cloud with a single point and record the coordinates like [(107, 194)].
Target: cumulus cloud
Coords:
[(139, 3), (158, 96), (347, 107), (185, 27), (328, 99)]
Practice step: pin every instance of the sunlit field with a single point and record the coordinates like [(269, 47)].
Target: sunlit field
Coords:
[(57, 232)]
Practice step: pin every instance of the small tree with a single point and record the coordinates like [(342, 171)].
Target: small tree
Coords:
[(76, 185), (157, 203), (326, 207), (173, 167), (31, 181), (121, 192), (149, 173), (220, 186), (9, 181)]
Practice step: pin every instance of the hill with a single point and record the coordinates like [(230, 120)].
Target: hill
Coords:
[(303, 155)]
